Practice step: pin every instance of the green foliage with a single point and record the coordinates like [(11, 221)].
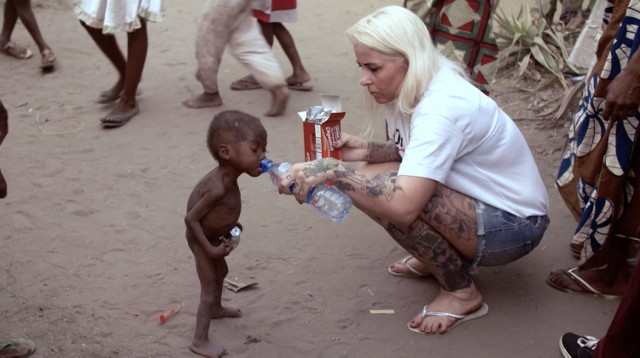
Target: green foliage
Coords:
[(528, 37)]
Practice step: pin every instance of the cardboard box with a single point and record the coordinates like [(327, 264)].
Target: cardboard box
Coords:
[(320, 134)]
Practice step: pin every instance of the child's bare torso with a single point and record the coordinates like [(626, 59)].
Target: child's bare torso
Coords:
[(223, 215)]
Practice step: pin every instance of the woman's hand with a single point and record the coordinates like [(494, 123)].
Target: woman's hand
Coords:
[(354, 148), (301, 177)]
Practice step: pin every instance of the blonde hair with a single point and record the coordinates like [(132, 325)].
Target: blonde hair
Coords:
[(400, 35)]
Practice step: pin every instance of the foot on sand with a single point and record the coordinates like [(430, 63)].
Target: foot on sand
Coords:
[(225, 312), (204, 100), (120, 115), (408, 267), (16, 348), (449, 309), (279, 98), (208, 349), (245, 83), (15, 51), (48, 61), (585, 282), (299, 83)]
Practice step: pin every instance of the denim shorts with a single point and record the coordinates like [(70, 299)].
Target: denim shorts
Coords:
[(504, 237)]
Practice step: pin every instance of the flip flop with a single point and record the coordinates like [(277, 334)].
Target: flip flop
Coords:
[(48, 61), (20, 347), (587, 289), (245, 83), (405, 261), (118, 120), (15, 51), (300, 87), (480, 312), (108, 96)]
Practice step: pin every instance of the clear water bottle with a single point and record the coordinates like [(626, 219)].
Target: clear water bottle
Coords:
[(330, 201)]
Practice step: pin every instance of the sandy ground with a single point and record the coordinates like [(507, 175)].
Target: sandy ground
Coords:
[(92, 231)]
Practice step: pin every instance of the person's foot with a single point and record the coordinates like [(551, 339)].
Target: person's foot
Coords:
[(120, 115), (462, 302), (587, 282), (409, 267), (245, 83), (15, 51), (576, 346), (204, 100), (16, 348), (298, 82), (208, 349), (225, 312), (279, 98), (48, 61)]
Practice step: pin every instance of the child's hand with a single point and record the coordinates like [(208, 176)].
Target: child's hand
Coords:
[(221, 250)]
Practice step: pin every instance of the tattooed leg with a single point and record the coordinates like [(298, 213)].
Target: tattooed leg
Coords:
[(441, 238)]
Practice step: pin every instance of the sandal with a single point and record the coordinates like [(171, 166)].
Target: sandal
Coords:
[(15, 51), (48, 61)]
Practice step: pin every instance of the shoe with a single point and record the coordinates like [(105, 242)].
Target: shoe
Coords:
[(575, 346)]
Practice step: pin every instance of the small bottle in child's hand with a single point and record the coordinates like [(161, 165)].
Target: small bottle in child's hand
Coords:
[(165, 316)]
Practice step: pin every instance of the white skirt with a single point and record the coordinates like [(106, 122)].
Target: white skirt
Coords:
[(118, 15)]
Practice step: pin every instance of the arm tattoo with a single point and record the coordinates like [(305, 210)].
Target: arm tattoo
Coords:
[(381, 185), (320, 166), (382, 153)]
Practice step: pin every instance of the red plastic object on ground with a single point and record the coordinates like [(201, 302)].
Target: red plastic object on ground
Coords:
[(165, 316)]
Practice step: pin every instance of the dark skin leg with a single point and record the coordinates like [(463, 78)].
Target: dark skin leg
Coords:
[(280, 32), (211, 274), (130, 70), (21, 9), (109, 47), (4, 129)]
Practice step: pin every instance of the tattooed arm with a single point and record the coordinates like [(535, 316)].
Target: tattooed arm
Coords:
[(375, 189), (358, 149)]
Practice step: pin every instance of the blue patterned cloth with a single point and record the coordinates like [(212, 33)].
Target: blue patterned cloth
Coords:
[(597, 175)]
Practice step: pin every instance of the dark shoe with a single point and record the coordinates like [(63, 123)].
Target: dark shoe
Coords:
[(575, 346)]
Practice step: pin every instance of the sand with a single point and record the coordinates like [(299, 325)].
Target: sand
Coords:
[(92, 231)]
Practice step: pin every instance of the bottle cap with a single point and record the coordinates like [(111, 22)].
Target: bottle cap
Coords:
[(265, 165)]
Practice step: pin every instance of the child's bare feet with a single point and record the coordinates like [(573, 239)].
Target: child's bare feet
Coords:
[(461, 302), (204, 100), (120, 114), (279, 98), (225, 312), (208, 349)]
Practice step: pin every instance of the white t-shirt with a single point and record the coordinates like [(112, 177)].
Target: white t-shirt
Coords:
[(462, 139)]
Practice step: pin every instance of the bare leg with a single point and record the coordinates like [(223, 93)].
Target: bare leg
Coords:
[(300, 74), (25, 13), (3, 186), (279, 98), (443, 235), (9, 22), (127, 107), (208, 275), (109, 47)]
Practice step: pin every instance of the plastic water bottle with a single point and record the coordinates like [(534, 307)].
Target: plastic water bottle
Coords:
[(330, 201)]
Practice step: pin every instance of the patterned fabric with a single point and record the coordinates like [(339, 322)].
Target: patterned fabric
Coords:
[(597, 174), (461, 30), (275, 10)]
